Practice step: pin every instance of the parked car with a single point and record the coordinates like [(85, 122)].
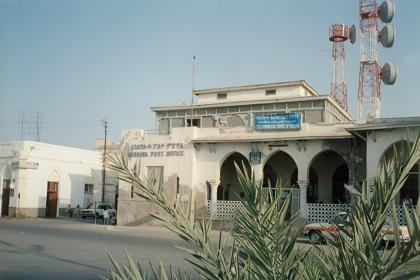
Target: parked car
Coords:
[(98, 209), (318, 231)]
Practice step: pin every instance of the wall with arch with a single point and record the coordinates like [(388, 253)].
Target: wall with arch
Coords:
[(210, 157), (378, 141), (325, 164), (199, 167), (34, 164)]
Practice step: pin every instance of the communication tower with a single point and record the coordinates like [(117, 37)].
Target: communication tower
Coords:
[(339, 33), (370, 75)]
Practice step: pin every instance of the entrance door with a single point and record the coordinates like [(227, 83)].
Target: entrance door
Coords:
[(52, 197), (5, 198)]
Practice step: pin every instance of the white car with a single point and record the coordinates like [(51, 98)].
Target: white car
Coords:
[(318, 231), (99, 209)]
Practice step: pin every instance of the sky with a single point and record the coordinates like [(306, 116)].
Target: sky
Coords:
[(79, 61)]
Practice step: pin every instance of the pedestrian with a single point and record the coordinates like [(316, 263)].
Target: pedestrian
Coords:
[(76, 211), (106, 217), (69, 211)]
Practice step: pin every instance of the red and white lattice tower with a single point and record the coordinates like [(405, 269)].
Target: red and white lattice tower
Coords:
[(369, 93), (339, 33)]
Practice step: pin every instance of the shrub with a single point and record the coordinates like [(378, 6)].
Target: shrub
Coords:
[(262, 241)]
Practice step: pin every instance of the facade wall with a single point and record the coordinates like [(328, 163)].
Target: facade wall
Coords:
[(200, 164), (379, 141), (175, 153), (255, 94), (71, 168), (311, 110)]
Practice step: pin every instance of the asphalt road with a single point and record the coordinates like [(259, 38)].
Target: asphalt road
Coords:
[(66, 249), (76, 249)]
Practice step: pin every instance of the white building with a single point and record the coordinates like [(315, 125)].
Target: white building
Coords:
[(41, 179), (283, 132)]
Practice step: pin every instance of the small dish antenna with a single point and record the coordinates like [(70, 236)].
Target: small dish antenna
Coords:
[(386, 11), (353, 34), (387, 36), (389, 73)]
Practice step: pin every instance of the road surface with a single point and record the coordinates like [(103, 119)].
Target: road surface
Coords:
[(67, 249)]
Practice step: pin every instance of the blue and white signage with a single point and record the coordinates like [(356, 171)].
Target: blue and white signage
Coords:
[(278, 121)]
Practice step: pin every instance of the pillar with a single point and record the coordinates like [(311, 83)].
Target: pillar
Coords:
[(213, 197), (303, 189), (258, 173)]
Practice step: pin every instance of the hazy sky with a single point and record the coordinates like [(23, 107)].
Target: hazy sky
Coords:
[(78, 61)]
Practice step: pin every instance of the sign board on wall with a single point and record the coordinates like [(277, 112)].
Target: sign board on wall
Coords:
[(24, 164), (255, 157), (156, 150), (278, 121)]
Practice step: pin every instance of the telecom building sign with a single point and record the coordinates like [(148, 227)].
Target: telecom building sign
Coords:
[(278, 121)]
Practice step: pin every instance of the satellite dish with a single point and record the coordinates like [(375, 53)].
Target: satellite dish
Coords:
[(389, 73), (386, 11), (387, 36), (353, 34)]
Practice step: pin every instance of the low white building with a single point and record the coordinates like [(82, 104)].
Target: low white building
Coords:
[(41, 179), (283, 132)]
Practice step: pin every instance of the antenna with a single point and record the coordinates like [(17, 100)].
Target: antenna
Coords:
[(192, 91), (338, 34), (370, 75), (30, 125)]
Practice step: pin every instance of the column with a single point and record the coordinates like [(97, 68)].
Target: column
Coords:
[(369, 182), (303, 189), (213, 197), (258, 173)]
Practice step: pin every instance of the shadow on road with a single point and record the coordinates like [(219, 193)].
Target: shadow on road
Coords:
[(38, 250)]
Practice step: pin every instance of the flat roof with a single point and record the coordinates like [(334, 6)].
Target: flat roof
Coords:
[(238, 103), (387, 123), (302, 83)]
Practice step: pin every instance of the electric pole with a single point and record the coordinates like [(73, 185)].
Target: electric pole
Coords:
[(192, 92), (105, 123)]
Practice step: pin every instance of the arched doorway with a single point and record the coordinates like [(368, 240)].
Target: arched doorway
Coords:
[(340, 177), (270, 176), (410, 190), (52, 195), (7, 177), (312, 192), (281, 169), (328, 173), (230, 188)]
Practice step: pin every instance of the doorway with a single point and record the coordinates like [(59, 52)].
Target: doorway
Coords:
[(230, 188), (52, 199), (340, 177), (5, 198)]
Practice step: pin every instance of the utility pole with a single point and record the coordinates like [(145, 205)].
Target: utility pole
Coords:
[(192, 92), (105, 123)]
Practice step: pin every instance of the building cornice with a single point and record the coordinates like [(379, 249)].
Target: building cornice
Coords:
[(240, 103), (302, 83)]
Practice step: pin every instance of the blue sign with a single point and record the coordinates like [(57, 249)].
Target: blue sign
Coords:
[(278, 121), (255, 157)]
